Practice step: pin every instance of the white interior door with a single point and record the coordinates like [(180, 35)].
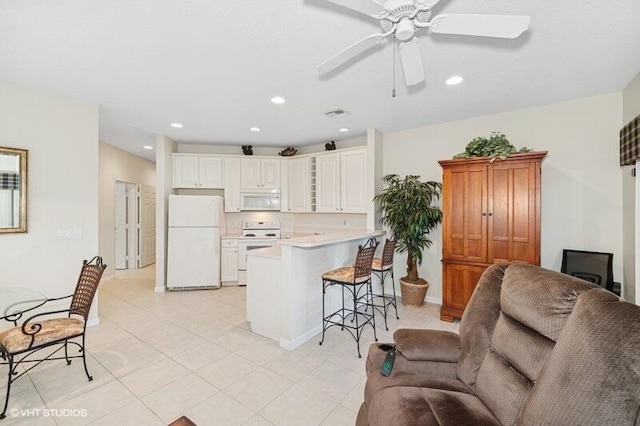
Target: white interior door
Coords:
[(147, 226), (121, 225)]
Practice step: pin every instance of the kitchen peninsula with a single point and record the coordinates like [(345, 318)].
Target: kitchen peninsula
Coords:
[(284, 285)]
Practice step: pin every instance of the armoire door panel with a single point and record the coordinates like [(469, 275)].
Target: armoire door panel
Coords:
[(525, 220), (475, 223), (499, 198), (462, 280), (453, 220)]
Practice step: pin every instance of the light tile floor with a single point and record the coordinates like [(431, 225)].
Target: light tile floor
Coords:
[(158, 356)]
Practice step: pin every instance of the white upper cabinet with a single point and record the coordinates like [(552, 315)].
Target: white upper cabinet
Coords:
[(340, 182), (353, 168), (299, 184), (328, 183), (231, 184), (258, 174), (197, 171)]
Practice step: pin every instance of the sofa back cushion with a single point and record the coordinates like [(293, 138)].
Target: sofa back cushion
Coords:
[(478, 322), (534, 305), (592, 377)]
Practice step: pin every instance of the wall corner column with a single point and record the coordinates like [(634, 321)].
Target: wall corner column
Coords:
[(164, 186), (373, 176)]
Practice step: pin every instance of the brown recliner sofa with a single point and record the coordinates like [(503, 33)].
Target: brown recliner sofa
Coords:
[(536, 347)]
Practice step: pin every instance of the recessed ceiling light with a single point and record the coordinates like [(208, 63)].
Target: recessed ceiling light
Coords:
[(343, 129), (278, 100), (255, 129), (147, 147), (176, 125), (452, 81)]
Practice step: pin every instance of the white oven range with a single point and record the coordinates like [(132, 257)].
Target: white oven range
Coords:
[(255, 235)]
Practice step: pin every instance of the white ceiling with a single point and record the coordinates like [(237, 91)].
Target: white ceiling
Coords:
[(213, 65)]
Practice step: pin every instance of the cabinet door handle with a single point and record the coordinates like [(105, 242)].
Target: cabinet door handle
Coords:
[(490, 214), (484, 214)]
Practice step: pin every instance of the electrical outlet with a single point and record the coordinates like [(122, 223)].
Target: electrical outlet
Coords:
[(69, 234)]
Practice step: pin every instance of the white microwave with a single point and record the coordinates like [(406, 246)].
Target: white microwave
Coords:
[(259, 201)]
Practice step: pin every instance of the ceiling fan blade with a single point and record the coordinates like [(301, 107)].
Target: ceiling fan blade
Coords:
[(411, 59), (368, 7), (350, 52), (502, 26)]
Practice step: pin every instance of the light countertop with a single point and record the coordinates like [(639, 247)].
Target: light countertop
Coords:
[(326, 238), (231, 236)]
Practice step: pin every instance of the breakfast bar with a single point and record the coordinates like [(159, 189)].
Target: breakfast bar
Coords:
[(284, 288)]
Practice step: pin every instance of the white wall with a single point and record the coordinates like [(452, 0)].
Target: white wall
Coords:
[(631, 212), (581, 178), (117, 165), (61, 135), (164, 186)]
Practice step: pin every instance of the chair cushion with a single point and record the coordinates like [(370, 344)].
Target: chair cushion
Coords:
[(410, 406), (343, 275), (535, 305), (377, 265), (592, 377), (15, 341), (539, 298)]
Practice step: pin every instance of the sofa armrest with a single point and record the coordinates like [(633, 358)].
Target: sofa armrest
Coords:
[(427, 345)]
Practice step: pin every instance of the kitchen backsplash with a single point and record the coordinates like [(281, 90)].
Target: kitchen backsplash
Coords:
[(298, 222)]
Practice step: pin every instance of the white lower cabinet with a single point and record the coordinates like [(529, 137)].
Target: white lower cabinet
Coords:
[(229, 260)]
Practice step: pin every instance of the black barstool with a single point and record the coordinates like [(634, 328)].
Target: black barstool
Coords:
[(357, 280), (383, 267)]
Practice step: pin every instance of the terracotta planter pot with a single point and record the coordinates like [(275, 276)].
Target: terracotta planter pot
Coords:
[(413, 294)]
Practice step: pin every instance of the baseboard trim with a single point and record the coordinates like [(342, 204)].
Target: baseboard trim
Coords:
[(298, 341), (93, 322), (431, 299), (107, 278), (159, 289)]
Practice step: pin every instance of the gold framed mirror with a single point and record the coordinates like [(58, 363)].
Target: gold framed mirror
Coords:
[(13, 190)]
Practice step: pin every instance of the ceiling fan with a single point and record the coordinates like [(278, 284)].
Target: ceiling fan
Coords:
[(403, 18)]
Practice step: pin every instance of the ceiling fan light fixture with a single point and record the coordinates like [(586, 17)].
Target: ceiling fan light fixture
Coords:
[(454, 80), (405, 29)]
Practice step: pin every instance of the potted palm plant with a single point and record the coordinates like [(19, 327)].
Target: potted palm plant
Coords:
[(407, 209)]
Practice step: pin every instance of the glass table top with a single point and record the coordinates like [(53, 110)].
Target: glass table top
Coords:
[(15, 300)]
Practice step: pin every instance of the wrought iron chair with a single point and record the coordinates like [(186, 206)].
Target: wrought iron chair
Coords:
[(354, 279), (18, 344), (383, 267)]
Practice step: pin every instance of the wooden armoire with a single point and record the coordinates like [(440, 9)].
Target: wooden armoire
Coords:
[(491, 214)]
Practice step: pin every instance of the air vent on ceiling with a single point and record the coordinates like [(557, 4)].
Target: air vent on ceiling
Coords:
[(336, 113)]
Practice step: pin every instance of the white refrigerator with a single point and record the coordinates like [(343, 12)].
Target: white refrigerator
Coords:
[(193, 255)]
